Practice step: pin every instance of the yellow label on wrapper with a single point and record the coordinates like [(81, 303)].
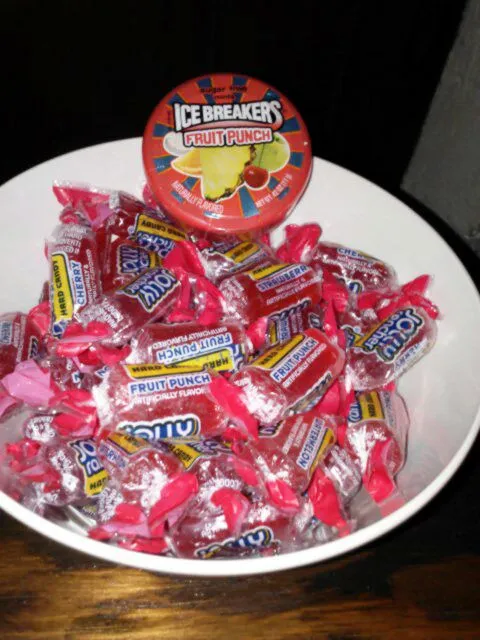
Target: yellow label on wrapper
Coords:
[(127, 443), (242, 252), (147, 224), (275, 354), (62, 292), (370, 406), (186, 454), (264, 272), (95, 476), (140, 371)]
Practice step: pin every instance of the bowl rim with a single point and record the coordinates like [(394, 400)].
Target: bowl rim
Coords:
[(256, 565)]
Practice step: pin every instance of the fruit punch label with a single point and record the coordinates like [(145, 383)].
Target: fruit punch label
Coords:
[(226, 152)]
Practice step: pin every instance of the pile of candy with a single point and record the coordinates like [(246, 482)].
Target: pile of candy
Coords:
[(205, 396)]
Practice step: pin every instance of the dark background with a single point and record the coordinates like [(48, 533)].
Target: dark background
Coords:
[(80, 73), (362, 73)]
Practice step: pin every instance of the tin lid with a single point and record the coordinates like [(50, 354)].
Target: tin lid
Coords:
[(227, 153)]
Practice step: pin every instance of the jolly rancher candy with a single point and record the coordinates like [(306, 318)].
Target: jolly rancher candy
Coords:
[(289, 377), (358, 271), (146, 298), (390, 347), (270, 289), (157, 402), (376, 439), (75, 274), (123, 260), (287, 454), (20, 340), (223, 347)]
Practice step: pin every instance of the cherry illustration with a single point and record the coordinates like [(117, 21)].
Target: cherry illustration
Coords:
[(255, 177)]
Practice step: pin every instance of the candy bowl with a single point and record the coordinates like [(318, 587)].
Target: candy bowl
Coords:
[(442, 391)]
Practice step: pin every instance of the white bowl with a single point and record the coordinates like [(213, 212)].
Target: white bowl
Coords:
[(442, 391)]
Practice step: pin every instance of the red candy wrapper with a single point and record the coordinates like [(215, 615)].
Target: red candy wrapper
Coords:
[(223, 481), (390, 347), (146, 298), (227, 255), (280, 327), (158, 402), (287, 454), (148, 490), (75, 274), (335, 483), (147, 229), (265, 531), (223, 347), (376, 439), (61, 472), (300, 244), (123, 260), (270, 289), (20, 339), (358, 271), (291, 376)]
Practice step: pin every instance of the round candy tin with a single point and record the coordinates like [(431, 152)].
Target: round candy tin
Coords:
[(227, 153)]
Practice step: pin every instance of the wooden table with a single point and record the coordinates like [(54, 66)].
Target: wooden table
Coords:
[(420, 581)]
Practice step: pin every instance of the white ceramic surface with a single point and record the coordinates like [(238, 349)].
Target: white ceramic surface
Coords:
[(442, 391)]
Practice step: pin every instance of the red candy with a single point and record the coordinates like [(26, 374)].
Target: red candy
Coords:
[(223, 347), (390, 347), (265, 531), (270, 289), (20, 340), (357, 270), (287, 454), (74, 274), (123, 260), (291, 376), (224, 256), (146, 298), (376, 440), (158, 402)]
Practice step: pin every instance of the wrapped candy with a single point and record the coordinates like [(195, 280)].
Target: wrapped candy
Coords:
[(60, 472), (158, 402), (287, 454), (148, 229), (390, 347), (223, 347), (270, 289), (146, 298), (376, 439), (148, 490), (280, 327), (291, 376), (74, 274), (334, 484), (265, 531), (123, 260), (227, 255), (357, 270), (20, 340)]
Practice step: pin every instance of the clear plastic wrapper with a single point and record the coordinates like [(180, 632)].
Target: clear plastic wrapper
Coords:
[(270, 289), (376, 439), (287, 454), (223, 347), (75, 274), (291, 376), (158, 402)]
